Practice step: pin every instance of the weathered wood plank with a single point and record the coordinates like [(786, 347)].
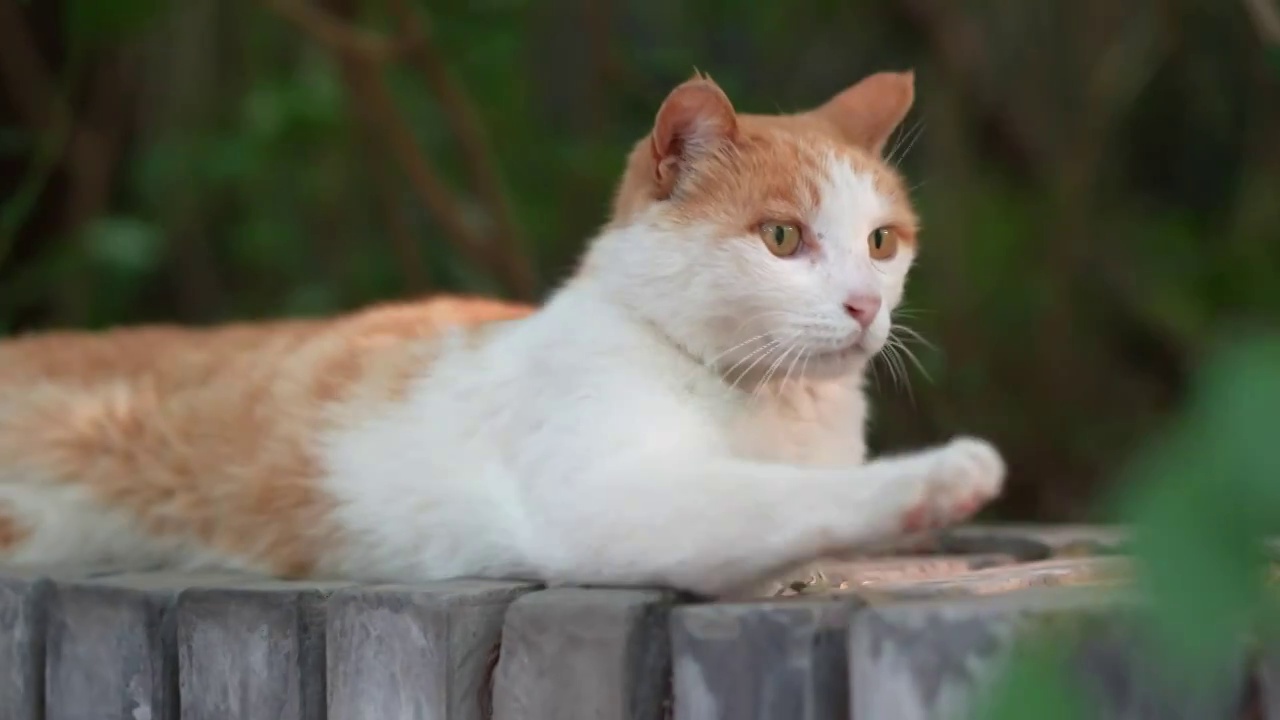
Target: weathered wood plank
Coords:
[(1030, 541), (422, 652), (110, 646), (255, 650), (589, 654), (24, 599), (782, 660), (936, 659)]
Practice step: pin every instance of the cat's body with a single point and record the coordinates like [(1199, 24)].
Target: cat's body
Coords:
[(687, 410)]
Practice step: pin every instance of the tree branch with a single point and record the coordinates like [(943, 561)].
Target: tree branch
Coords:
[(334, 33), (959, 45), (460, 113), (369, 89), (361, 55), (1266, 18), (87, 149), (26, 77), (404, 245)]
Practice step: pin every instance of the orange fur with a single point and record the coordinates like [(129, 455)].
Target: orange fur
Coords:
[(209, 433), (12, 532)]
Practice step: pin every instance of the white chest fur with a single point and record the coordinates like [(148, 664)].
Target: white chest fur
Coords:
[(819, 423)]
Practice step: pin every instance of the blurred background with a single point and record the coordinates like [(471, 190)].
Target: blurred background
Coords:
[(1099, 181)]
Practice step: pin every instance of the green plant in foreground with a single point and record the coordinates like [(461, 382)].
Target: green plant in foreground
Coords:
[(1200, 501)]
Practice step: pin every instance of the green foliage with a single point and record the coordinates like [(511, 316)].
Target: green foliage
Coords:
[(123, 245), (95, 22), (1034, 686), (1203, 499), (1200, 500)]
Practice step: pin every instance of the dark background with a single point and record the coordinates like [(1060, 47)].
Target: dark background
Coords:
[(1099, 180)]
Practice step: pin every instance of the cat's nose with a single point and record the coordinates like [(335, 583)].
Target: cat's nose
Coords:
[(862, 307)]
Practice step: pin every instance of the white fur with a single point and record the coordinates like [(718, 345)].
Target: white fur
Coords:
[(605, 440)]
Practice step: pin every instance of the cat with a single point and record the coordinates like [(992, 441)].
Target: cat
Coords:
[(687, 410)]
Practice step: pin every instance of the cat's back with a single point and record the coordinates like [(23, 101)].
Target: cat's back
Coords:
[(182, 437)]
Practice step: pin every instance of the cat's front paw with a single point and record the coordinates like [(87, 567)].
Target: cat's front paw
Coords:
[(961, 477)]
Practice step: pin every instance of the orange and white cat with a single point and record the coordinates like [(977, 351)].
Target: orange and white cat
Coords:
[(687, 410)]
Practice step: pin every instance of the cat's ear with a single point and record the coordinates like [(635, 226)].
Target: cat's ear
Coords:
[(866, 113), (696, 119)]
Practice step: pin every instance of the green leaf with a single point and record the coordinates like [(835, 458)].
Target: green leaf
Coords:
[(123, 244), (1033, 686), (1201, 501)]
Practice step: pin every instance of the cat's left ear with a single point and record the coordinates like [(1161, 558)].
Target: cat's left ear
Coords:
[(694, 121), (867, 113)]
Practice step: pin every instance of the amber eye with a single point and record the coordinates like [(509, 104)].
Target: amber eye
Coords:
[(883, 243), (782, 240)]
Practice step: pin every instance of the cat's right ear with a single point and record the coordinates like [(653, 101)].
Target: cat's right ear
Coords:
[(696, 119)]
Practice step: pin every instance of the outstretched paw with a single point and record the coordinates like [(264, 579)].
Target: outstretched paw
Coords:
[(963, 476)]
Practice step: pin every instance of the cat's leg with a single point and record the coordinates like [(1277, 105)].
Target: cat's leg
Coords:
[(713, 525)]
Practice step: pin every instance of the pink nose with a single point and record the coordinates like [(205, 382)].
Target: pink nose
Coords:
[(862, 308)]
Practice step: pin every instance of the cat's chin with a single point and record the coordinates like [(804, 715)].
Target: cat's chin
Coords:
[(839, 362)]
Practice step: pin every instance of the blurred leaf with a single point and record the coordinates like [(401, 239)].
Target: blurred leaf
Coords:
[(1201, 501), (310, 299), (264, 242), (1033, 686), (161, 168), (123, 244), (228, 159)]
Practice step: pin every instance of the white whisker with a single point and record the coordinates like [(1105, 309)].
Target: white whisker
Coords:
[(713, 360), (773, 346), (911, 332), (773, 369), (787, 377), (916, 361), (753, 353), (919, 132)]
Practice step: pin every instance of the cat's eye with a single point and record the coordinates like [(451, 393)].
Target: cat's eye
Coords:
[(883, 243), (781, 239)]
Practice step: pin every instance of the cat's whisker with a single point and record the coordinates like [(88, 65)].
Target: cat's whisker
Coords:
[(901, 350), (909, 311), (914, 335), (774, 368), (754, 318), (767, 346), (915, 136), (898, 142), (894, 359), (715, 359), (772, 347), (904, 132), (787, 377), (746, 372), (919, 185), (787, 343), (915, 361), (881, 359)]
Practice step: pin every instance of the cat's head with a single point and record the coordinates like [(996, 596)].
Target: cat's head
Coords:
[(763, 239)]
